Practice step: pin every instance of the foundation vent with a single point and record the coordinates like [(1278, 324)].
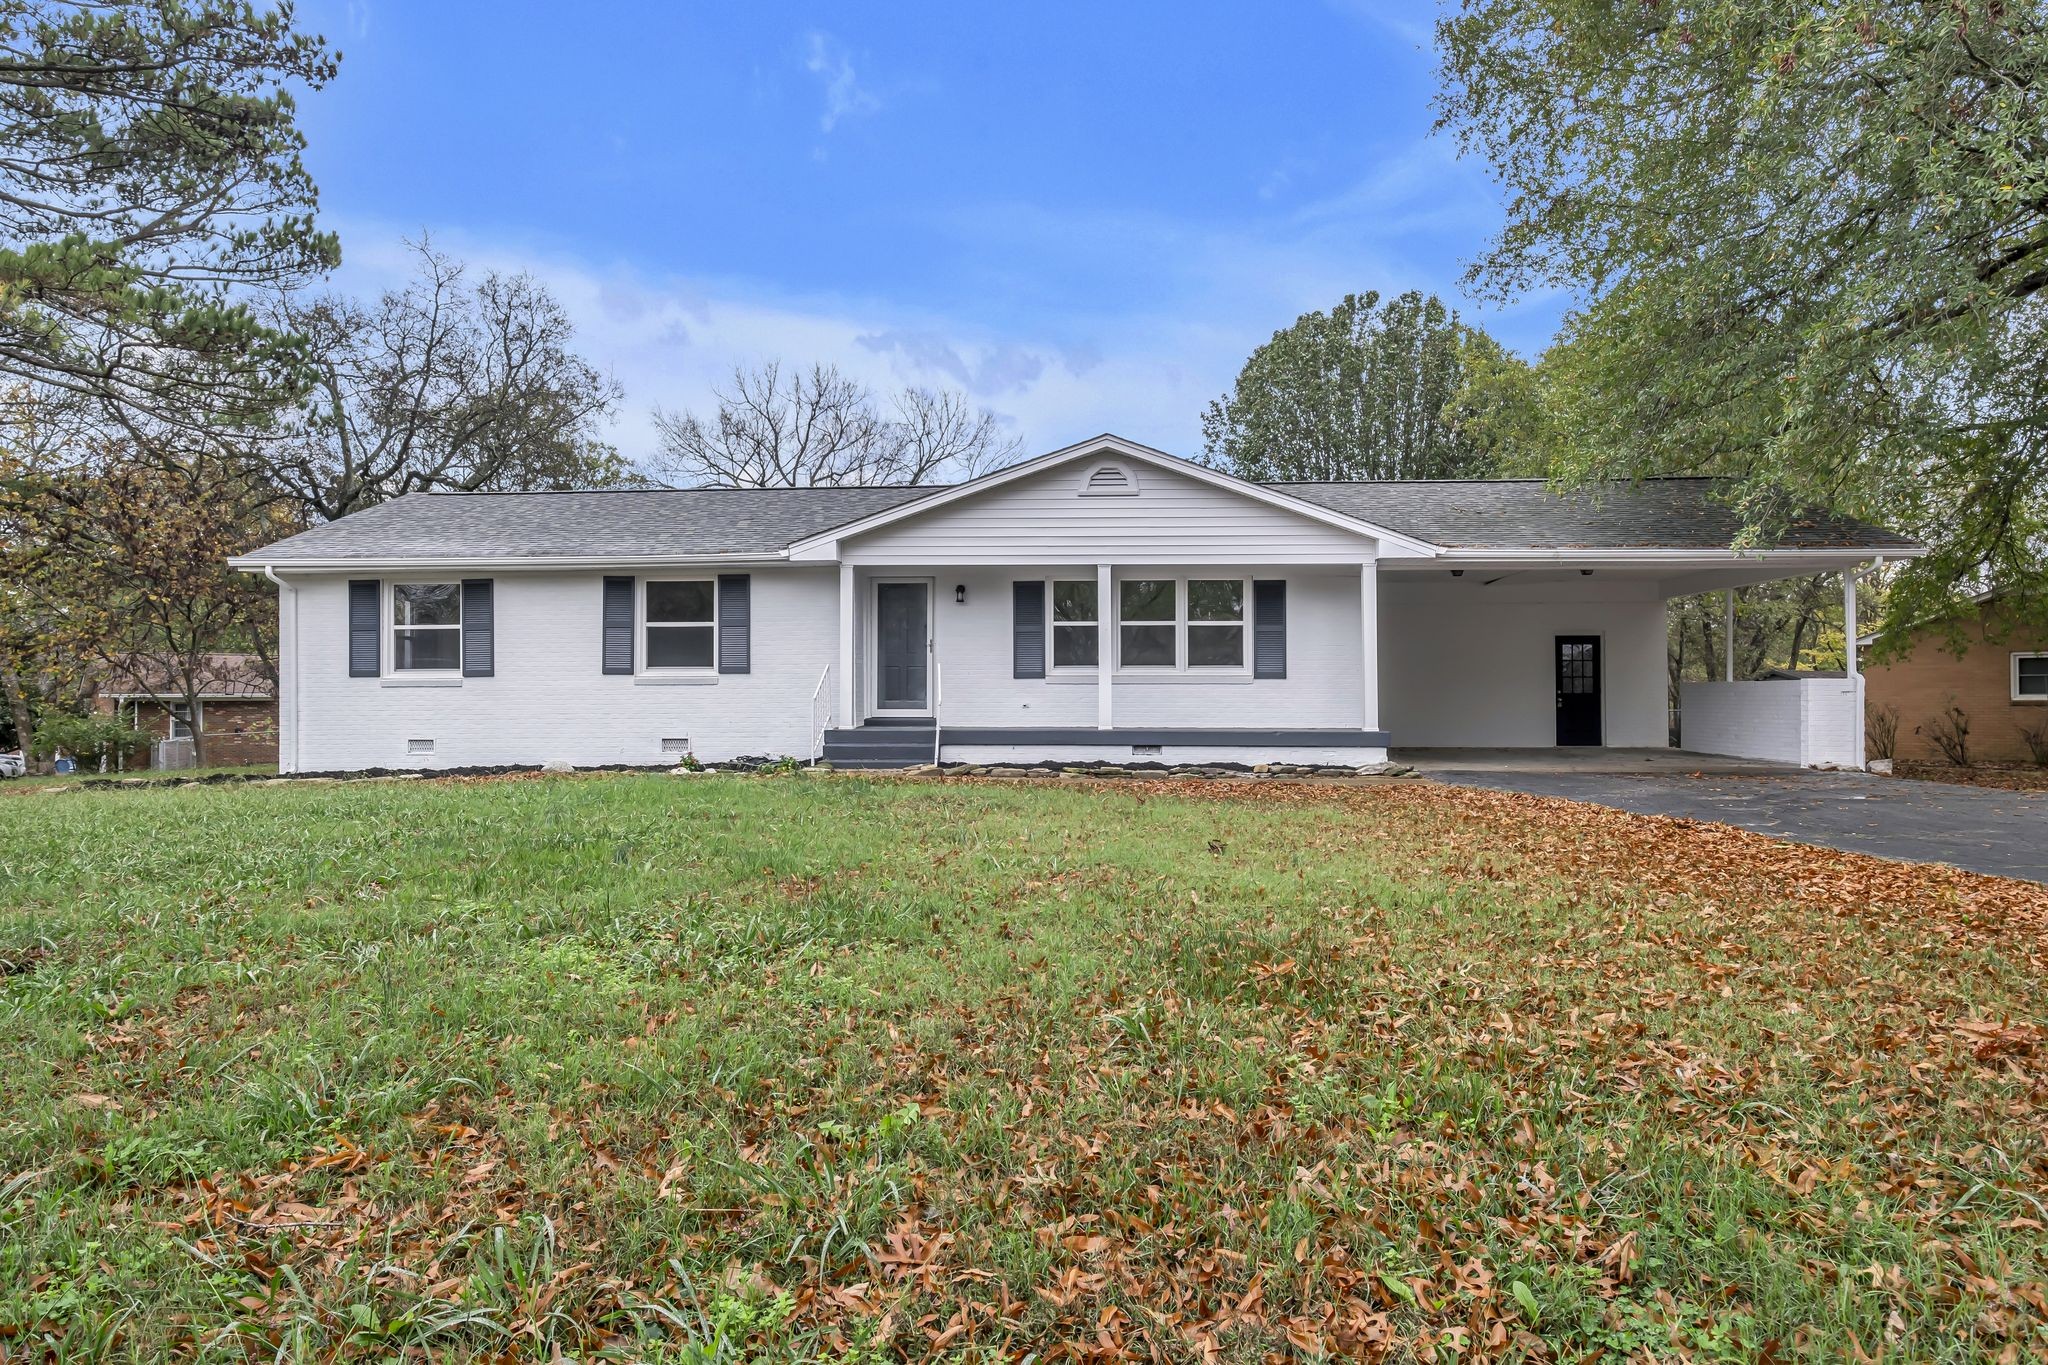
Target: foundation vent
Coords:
[(679, 745), (419, 746)]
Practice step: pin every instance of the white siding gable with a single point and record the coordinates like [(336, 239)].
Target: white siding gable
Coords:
[(1082, 512)]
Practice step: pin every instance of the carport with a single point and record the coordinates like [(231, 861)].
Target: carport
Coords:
[(1550, 651)]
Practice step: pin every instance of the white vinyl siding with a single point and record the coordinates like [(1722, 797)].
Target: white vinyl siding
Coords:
[(1047, 519)]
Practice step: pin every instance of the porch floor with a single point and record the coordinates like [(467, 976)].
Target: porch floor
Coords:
[(1642, 762)]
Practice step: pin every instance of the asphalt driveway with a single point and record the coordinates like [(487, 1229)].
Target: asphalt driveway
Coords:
[(2000, 832)]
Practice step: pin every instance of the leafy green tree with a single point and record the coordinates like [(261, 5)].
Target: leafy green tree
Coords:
[(1364, 391), (1813, 241), (151, 175)]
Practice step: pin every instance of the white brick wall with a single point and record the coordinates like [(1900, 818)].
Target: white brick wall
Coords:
[(548, 699), (1808, 721)]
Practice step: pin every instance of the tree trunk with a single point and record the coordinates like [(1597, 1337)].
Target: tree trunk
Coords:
[(198, 727), (17, 707)]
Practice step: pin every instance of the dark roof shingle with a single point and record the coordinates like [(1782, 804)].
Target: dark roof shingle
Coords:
[(1499, 514), (657, 523)]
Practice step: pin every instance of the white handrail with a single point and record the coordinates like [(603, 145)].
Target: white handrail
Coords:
[(817, 730), (938, 690)]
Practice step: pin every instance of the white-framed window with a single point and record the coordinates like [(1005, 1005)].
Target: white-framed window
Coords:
[(180, 720), (1147, 613), (679, 625), (2030, 677), (1076, 623), (1216, 622), (1190, 624), (426, 627)]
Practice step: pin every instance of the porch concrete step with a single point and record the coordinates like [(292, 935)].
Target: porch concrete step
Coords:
[(885, 746)]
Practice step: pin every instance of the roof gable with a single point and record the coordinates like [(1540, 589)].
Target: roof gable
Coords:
[(1129, 459)]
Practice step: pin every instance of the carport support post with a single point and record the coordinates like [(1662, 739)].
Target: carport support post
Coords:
[(1728, 637), (1853, 673)]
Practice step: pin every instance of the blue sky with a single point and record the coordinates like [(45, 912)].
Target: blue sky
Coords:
[(1084, 215)]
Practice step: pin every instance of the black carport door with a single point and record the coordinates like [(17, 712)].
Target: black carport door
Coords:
[(1578, 689)]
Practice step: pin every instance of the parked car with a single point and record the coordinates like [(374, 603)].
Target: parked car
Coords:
[(13, 765)]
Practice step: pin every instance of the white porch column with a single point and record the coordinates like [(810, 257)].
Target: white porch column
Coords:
[(1728, 637), (1369, 634), (1105, 701), (847, 718)]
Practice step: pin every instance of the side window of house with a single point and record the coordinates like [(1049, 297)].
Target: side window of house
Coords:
[(181, 721), (682, 624), (426, 627), (2030, 677), (1076, 639)]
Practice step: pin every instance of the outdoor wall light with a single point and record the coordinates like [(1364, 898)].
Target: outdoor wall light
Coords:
[(960, 593)]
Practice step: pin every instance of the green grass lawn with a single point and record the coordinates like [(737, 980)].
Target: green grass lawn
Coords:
[(820, 1068)]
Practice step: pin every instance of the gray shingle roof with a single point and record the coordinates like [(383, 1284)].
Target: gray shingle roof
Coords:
[(1464, 514), (617, 522), (1676, 514)]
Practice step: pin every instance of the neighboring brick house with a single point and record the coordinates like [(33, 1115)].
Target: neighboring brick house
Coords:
[(2000, 683), (236, 712)]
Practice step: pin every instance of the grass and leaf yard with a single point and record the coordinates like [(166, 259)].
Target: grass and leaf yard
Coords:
[(832, 1069)]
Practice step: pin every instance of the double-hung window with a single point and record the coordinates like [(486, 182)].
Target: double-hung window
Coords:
[(681, 622), (426, 627), (180, 720), (1215, 623), (1192, 624), (1147, 620), (2030, 677), (1076, 627)]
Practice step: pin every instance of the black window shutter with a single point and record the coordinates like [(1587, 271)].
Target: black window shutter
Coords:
[(618, 625), (1269, 628), (477, 620), (1027, 629), (735, 622), (363, 609)]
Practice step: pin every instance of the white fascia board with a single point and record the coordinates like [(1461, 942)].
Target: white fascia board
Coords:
[(1595, 556), (1391, 543), (526, 563)]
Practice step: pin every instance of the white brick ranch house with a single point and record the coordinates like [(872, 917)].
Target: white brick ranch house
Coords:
[(1105, 601)]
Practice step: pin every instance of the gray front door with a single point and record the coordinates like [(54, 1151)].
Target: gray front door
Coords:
[(902, 659)]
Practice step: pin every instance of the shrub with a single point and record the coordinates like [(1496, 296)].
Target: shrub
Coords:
[(1950, 732), (92, 740), (2036, 737), (1881, 728)]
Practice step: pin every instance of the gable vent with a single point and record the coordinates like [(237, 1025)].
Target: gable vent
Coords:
[(1109, 480)]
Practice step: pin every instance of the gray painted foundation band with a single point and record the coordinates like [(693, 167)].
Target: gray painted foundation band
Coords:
[(1321, 739)]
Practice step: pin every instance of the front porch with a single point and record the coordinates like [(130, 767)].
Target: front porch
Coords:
[(1150, 662)]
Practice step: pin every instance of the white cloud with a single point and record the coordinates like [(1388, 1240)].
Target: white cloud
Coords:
[(668, 341), (845, 96), (1116, 320)]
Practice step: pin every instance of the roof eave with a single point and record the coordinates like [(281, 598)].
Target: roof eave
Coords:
[(407, 564)]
